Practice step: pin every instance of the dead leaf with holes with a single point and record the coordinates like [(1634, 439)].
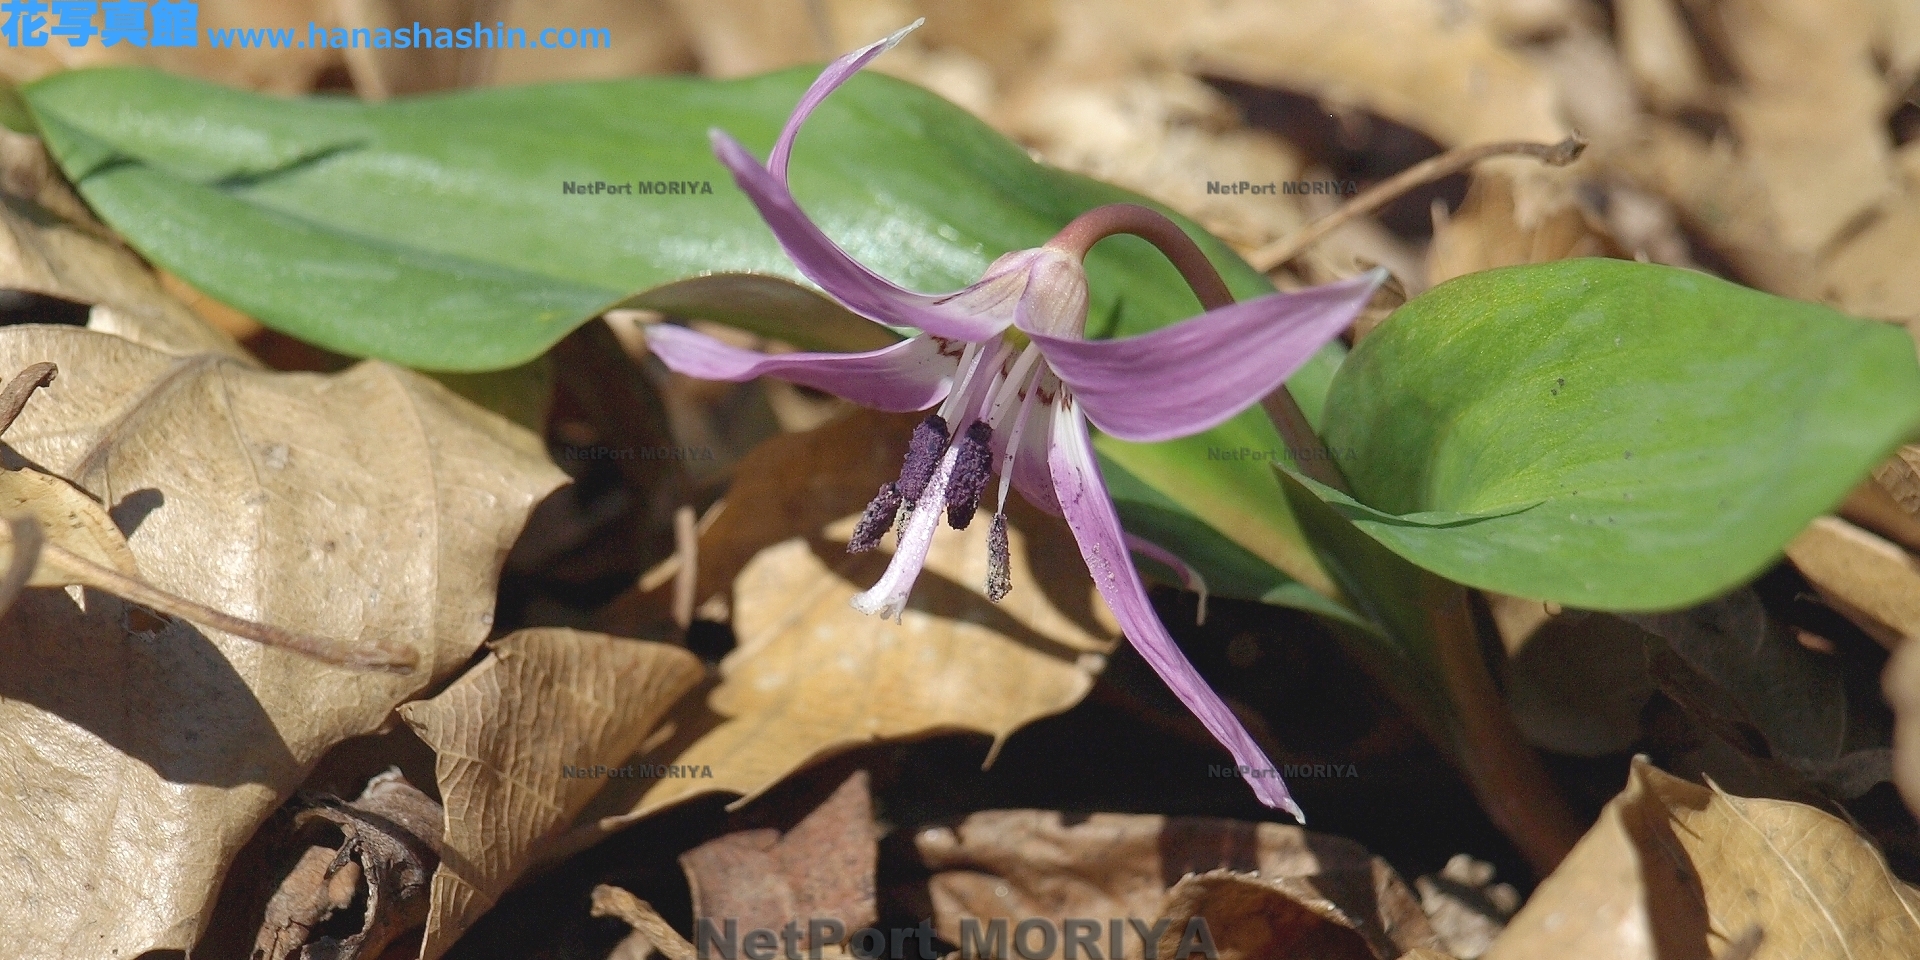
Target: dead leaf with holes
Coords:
[(1678, 871), (811, 676), (1264, 888), (524, 741), (371, 507), (523, 744)]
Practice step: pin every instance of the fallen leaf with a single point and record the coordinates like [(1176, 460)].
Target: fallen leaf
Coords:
[(63, 252), (1795, 697), (382, 866), (1901, 682), (1809, 112), (1872, 582), (799, 684), (1023, 864), (1467, 909), (524, 740), (372, 507), (1656, 46), (1579, 684), (1679, 872), (821, 870)]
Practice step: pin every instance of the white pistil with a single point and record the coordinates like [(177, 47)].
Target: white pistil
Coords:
[(1013, 441), (969, 362), (888, 598)]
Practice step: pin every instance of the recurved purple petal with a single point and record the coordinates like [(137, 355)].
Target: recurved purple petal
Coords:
[(911, 375), (829, 80), (1186, 378), (1096, 526), (842, 277)]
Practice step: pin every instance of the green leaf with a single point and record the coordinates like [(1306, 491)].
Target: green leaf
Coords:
[(1610, 435), (434, 232)]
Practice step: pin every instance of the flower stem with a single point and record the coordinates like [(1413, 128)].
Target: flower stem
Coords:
[(1152, 226), (1276, 254)]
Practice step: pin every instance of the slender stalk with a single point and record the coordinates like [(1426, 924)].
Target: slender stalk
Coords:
[(372, 656), (14, 396), (1152, 226), (1276, 254)]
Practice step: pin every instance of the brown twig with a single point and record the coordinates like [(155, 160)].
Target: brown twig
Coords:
[(686, 547), (27, 540), (14, 396), (1276, 254), (368, 656)]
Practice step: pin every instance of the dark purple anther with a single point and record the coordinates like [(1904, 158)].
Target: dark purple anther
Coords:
[(999, 563), (923, 456), (970, 471), (875, 521)]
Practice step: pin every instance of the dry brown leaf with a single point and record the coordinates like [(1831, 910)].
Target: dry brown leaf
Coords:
[(524, 740), (1250, 918), (1494, 228), (1676, 871), (823, 869), (380, 869), (372, 506), (1809, 113), (1872, 582), (70, 256), (1901, 683), (1467, 908), (1658, 49), (1439, 68), (802, 682), (1579, 684), (1022, 864)]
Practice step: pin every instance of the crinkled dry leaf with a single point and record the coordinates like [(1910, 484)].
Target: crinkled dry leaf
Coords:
[(1021, 864), (1809, 114), (811, 676), (369, 507), (380, 870), (524, 740), (1676, 871), (1874, 583), (65, 253), (1248, 918), (1438, 68), (822, 869)]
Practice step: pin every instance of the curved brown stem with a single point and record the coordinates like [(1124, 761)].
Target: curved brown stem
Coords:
[(1276, 254), (14, 396), (1152, 226)]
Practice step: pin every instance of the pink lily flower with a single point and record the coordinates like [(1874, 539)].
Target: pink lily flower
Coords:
[(1013, 384)]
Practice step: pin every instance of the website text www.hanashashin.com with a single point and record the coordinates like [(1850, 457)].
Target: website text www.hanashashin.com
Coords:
[(176, 23), (417, 37)]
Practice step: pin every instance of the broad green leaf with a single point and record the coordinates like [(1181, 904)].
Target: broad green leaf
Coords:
[(1610, 435), (435, 232)]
